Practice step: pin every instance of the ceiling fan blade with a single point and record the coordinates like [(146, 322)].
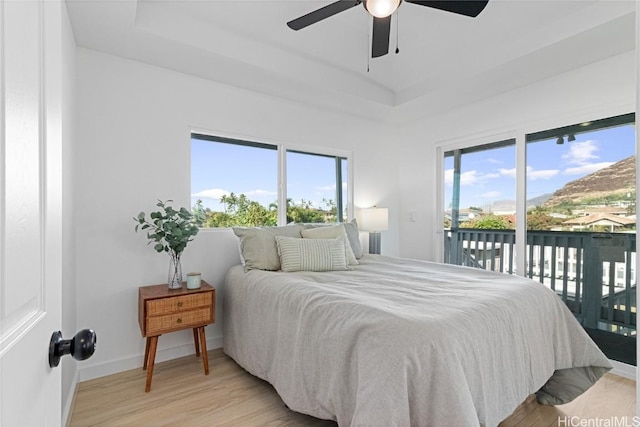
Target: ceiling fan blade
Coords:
[(468, 8), (322, 13), (381, 31)]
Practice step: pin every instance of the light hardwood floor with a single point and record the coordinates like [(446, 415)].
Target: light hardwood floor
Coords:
[(181, 395)]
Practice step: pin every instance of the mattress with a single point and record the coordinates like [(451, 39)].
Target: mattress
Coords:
[(399, 342)]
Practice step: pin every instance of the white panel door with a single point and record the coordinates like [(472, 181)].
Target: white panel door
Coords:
[(30, 210)]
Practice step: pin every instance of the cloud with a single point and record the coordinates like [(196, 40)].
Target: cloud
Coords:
[(491, 194), (511, 173), (532, 174), (587, 168), (217, 193), (581, 152), (470, 177), (325, 188), (495, 161), (259, 193), (212, 193)]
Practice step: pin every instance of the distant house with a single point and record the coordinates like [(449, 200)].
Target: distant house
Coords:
[(599, 219), (610, 210), (465, 215)]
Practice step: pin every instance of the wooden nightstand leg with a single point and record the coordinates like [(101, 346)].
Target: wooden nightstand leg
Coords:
[(196, 341), (146, 354), (203, 344), (152, 360)]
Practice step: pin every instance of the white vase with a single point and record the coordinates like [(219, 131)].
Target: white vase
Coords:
[(175, 271)]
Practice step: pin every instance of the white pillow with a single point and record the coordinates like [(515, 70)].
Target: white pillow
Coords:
[(331, 232), (311, 254)]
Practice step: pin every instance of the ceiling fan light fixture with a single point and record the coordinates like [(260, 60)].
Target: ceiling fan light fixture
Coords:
[(381, 8)]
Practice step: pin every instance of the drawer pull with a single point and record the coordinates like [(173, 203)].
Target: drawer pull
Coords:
[(179, 303), (179, 320)]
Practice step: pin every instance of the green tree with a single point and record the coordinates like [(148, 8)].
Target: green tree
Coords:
[(240, 210), (200, 213), (488, 222), (540, 220), (303, 212), (331, 210)]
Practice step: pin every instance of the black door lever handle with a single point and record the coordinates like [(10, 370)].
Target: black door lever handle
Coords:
[(81, 346)]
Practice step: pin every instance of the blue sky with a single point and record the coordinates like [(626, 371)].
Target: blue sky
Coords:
[(489, 176), (218, 169)]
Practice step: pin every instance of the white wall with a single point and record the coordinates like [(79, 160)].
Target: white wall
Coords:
[(597, 91), (132, 148), (69, 307)]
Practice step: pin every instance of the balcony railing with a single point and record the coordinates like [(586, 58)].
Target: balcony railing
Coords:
[(593, 273)]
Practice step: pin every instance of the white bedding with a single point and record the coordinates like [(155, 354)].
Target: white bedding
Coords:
[(398, 342)]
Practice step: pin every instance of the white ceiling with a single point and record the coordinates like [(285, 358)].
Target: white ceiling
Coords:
[(445, 60)]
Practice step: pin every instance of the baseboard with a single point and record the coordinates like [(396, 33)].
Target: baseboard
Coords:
[(67, 410), (624, 370), (134, 362)]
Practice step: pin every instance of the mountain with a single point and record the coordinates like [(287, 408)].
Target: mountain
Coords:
[(538, 201), (617, 179), (502, 206)]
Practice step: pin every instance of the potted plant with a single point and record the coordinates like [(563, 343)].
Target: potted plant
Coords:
[(170, 230)]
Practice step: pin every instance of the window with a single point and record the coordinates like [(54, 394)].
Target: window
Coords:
[(315, 187), (480, 185), (235, 182), (582, 177)]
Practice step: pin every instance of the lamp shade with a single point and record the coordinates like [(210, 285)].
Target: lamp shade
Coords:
[(374, 219)]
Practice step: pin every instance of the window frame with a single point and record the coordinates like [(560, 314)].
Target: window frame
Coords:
[(523, 133), (457, 154), (281, 167)]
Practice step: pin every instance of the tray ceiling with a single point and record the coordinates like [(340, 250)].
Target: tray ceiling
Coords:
[(445, 59)]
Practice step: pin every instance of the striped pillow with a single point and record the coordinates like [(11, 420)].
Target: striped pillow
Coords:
[(311, 254), (331, 232)]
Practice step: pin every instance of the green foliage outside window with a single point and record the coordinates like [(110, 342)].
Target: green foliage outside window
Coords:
[(239, 210), (488, 222)]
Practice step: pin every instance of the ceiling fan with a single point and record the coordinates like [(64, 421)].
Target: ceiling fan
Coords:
[(381, 10)]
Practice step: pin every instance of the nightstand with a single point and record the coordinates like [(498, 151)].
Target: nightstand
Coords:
[(162, 310)]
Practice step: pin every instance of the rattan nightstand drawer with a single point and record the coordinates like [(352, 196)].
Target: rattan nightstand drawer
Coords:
[(162, 306), (176, 321)]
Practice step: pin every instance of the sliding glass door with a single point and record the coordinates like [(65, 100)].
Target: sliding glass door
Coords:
[(480, 196), (581, 233), (580, 197)]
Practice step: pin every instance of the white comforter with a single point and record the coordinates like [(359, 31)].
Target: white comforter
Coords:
[(398, 342)]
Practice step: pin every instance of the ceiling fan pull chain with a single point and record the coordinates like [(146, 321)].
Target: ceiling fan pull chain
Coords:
[(368, 45), (397, 31)]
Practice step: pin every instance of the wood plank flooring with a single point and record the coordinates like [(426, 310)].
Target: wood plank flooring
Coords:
[(181, 395)]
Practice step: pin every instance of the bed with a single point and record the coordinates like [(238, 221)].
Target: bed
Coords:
[(398, 342)]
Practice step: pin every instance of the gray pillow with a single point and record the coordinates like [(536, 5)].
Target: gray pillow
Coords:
[(258, 245), (353, 234), (354, 237)]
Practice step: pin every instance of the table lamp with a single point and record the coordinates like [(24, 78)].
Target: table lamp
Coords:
[(374, 220)]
